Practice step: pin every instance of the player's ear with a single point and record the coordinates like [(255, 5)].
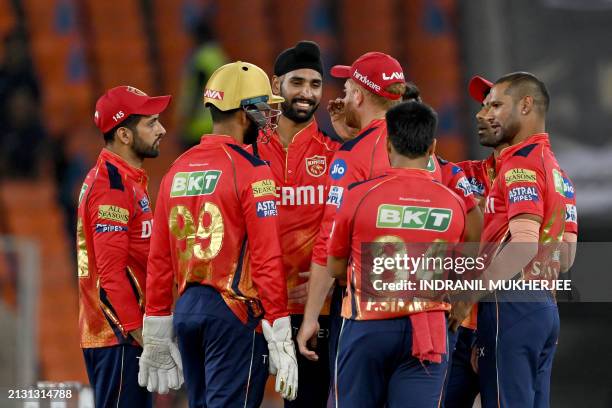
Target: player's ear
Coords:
[(526, 104), (276, 84), (123, 135), (432, 148), (359, 97)]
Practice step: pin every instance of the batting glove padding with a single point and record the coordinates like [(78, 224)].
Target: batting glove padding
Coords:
[(283, 363), (160, 363)]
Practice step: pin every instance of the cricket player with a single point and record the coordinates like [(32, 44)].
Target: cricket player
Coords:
[(462, 386), (393, 351), (525, 214), (113, 233), (375, 83), (216, 235), (299, 155)]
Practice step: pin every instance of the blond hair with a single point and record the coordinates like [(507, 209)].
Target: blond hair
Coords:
[(386, 103)]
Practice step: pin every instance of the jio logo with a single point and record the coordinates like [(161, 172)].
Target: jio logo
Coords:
[(338, 169)]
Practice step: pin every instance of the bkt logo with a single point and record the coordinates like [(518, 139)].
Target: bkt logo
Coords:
[(194, 183), (394, 75), (408, 217), (338, 169)]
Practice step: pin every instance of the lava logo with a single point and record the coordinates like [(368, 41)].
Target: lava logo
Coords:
[(394, 75), (212, 94), (338, 169), (316, 165)]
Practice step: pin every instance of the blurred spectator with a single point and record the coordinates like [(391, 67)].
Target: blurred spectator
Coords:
[(193, 119), (21, 131), (21, 135)]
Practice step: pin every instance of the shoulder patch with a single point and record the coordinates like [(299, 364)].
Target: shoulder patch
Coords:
[(348, 146), (357, 183), (524, 151), (255, 161), (114, 177)]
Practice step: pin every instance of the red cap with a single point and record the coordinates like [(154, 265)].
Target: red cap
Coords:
[(122, 101), (479, 88), (374, 71)]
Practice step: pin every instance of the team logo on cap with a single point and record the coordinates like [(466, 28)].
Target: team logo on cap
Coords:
[(212, 94), (316, 165), (135, 91)]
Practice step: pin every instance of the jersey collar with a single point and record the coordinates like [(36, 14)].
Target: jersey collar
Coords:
[(213, 138), (134, 173), (373, 123), (303, 136), (538, 138), (412, 172)]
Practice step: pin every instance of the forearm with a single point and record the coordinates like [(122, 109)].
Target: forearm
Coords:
[(568, 251), (320, 285)]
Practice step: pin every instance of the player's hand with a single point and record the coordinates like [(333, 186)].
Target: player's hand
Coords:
[(299, 293), (474, 359), (160, 365), (283, 363), (459, 311), (308, 334), (337, 115)]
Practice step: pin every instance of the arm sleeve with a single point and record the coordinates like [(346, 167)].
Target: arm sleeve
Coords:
[(261, 219), (460, 185), (111, 211), (160, 272), (344, 171), (523, 183), (339, 243)]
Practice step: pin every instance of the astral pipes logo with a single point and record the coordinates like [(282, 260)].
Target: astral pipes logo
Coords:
[(364, 79)]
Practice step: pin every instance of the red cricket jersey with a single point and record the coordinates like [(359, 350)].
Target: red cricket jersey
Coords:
[(216, 224), (300, 173), (404, 206), (113, 232), (365, 157), (529, 181)]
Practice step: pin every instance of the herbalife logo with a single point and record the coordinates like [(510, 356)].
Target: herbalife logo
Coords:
[(425, 218), (194, 183)]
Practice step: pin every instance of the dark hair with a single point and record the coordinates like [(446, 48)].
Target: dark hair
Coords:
[(411, 127), (130, 122), (412, 92), (219, 116), (523, 84)]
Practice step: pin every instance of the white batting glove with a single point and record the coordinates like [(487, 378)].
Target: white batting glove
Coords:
[(160, 363), (283, 363)]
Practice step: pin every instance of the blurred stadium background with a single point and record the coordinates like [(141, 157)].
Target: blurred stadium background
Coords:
[(58, 56)]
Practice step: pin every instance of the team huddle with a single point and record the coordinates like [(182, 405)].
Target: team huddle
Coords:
[(252, 260)]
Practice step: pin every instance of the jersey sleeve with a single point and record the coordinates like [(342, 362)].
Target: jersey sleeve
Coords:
[(258, 198), (457, 181), (571, 214), (344, 171), (523, 183), (160, 273), (110, 212), (339, 243)]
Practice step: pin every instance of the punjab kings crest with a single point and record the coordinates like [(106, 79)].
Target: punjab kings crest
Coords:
[(316, 165)]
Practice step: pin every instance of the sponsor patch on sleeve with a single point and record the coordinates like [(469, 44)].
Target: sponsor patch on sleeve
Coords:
[(518, 175), (338, 169), (266, 209), (144, 204), (110, 228), (464, 185), (263, 188), (519, 194), (335, 196), (570, 213), (477, 186), (113, 213)]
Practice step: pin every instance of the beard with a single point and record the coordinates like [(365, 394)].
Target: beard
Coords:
[(251, 134), (298, 115), (512, 127), (351, 118), (144, 151)]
